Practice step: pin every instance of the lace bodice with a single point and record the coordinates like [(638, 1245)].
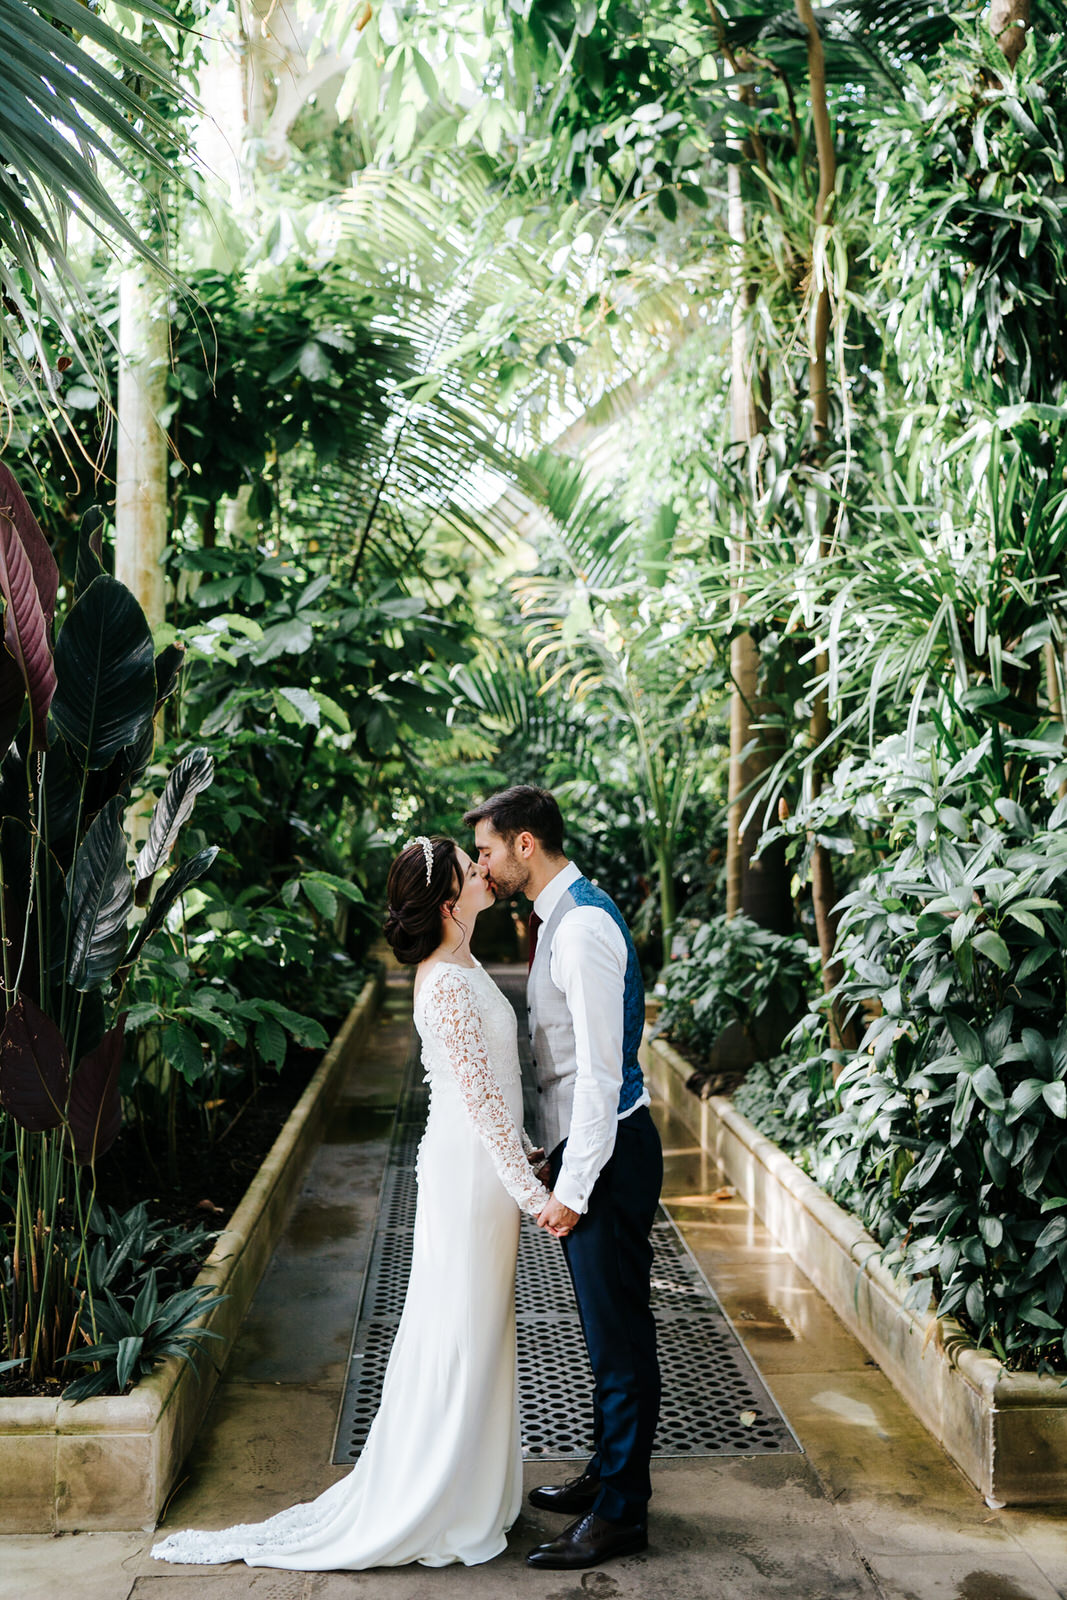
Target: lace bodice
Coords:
[(468, 1032)]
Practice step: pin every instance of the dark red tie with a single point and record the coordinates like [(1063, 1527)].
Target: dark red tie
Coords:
[(533, 925)]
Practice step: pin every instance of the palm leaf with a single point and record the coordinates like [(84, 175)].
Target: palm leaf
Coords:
[(65, 114)]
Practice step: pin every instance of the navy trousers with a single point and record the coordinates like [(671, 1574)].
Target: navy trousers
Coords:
[(609, 1255)]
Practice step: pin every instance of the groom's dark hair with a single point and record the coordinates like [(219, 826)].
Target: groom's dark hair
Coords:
[(523, 809)]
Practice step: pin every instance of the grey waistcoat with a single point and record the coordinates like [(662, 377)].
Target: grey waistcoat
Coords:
[(552, 1038)]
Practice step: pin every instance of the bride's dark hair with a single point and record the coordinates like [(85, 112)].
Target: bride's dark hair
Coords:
[(413, 915)]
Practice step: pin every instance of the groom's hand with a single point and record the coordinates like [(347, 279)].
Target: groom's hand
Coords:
[(557, 1218)]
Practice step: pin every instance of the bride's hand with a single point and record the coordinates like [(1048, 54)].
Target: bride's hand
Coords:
[(557, 1218)]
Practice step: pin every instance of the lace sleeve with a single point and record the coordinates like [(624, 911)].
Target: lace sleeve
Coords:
[(452, 1013)]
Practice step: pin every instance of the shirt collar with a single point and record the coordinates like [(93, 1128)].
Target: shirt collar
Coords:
[(555, 889)]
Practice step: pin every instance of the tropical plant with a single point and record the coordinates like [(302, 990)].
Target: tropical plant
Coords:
[(78, 729), (736, 973), (138, 1268), (617, 633), (948, 1132), (133, 1339)]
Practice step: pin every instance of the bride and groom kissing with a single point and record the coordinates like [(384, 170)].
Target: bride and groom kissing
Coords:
[(439, 1480)]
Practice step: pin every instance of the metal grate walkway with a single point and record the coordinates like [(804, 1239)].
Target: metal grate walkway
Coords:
[(714, 1401)]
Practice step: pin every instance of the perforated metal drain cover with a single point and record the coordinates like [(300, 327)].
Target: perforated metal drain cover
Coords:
[(714, 1401)]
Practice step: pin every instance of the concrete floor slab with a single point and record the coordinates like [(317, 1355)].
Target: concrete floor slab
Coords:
[(977, 1577), (81, 1566), (262, 1448), (1044, 1538)]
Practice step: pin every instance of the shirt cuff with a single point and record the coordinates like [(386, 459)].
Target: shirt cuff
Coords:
[(570, 1194)]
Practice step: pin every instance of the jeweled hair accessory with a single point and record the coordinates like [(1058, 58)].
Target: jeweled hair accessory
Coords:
[(427, 850)]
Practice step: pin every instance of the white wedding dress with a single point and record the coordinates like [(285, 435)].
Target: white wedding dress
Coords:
[(440, 1476)]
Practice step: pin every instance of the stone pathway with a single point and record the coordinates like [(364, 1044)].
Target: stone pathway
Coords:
[(872, 1511)]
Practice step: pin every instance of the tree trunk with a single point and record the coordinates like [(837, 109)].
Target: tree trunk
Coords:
[(141, 516), (1055, 678), (823, 889), (279, 80), (744, 662), (759, 889), (1009, 22)]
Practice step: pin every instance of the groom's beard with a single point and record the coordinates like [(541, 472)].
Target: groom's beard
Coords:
[(511, 879)]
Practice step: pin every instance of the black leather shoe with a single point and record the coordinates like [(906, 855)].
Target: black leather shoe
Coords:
[(577, 1494), (588, 1542)]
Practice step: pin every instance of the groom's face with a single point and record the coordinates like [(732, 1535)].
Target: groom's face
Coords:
[(506, 870)]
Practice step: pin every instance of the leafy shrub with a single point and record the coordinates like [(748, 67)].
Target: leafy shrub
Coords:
[(949, 1138), (77, 728), (134, 1339), (143, 1311), (735, 972), (128, 1245)]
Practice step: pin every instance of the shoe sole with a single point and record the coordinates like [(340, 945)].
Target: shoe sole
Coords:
[(568, 1564)]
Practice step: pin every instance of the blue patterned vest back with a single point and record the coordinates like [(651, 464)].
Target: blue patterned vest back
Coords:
[(584, 893), (552, 1030)]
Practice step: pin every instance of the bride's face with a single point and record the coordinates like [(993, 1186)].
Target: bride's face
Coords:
[(505, 869), (475, 895)]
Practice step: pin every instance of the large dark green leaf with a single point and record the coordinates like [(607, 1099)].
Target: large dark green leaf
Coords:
[(34, 1068), (169, 663), (89, 565), (175, 885), (95, 1111), (29, 579), (122, 773), (101, 896), (105, 666), (12, 699), (189, 778)]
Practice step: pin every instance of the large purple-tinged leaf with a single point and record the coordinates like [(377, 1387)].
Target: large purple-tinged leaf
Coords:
[(101, 898), (189, 778), (33, 541), (95, 1103), (29, 579), (29, 605), (34, 1068)]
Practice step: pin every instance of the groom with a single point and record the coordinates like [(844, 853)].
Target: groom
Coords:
[(605, 1164)]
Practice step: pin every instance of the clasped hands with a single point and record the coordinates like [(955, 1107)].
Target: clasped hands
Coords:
[(554, 1215)]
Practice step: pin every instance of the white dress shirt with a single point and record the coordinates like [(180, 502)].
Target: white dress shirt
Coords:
[(587, 963)]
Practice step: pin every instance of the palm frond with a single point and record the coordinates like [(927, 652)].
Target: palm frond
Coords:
[(65, 117)]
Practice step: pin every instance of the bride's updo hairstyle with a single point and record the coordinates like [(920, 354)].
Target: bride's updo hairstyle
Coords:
[(413, 915)]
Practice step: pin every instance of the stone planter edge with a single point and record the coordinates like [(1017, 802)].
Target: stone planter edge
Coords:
[(108, 1463), (1007, 1431)]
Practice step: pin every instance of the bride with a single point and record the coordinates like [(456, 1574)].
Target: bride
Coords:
[(440, 1476)]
